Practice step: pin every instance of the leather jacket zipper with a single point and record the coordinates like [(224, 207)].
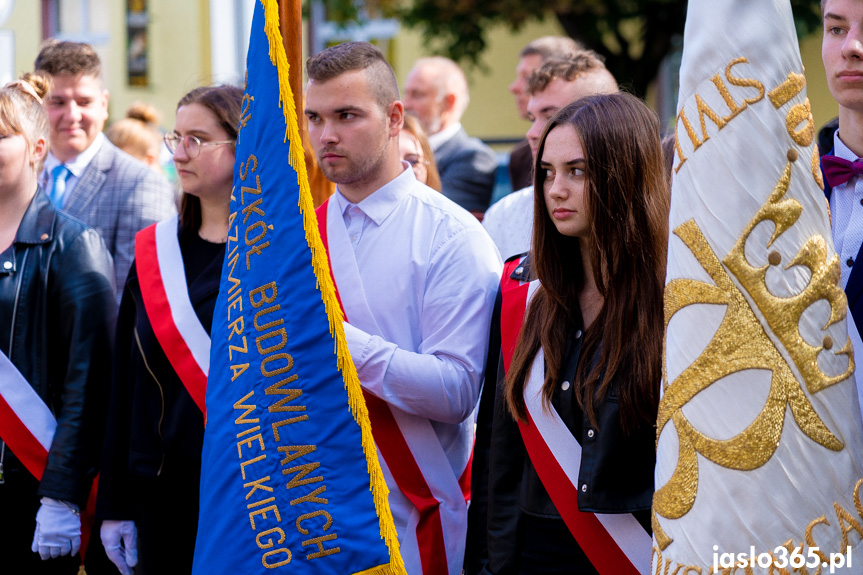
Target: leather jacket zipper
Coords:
[(11, 341), (161, 394)]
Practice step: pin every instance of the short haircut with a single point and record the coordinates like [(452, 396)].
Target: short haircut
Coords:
[(353, 56), (64, 57), (448, 78), (569, 69), (549, 47)]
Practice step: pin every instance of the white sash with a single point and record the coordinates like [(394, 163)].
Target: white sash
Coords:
[(177, 291), (172, 316), (626, 531), (418, 432), (26, 423)]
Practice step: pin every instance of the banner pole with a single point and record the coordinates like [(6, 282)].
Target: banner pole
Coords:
[(291, 25)]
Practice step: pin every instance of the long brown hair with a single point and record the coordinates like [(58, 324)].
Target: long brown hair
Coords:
[(225, 102), (627, 203)]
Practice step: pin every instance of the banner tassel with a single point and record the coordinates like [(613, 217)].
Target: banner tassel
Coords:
[(328, 295)]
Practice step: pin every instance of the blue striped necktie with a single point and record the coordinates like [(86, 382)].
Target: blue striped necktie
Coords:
[(58, 184)]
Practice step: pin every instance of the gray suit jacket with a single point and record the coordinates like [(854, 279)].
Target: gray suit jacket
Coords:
[(118, 196), (467, 169)]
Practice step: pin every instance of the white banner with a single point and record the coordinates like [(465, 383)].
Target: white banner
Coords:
[(759, 425)]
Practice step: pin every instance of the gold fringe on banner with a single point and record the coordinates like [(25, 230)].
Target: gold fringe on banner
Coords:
[(328, 295)]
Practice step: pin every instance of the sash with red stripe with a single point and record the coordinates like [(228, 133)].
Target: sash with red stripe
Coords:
[(27, 426), (184, 340), (400, 459), (616, 544)]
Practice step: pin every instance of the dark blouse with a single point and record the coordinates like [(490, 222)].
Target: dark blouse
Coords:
[(152, 458)]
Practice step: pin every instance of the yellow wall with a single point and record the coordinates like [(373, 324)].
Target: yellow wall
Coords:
[(26, 22), (492, 112), (178, 43), (179, 55), (824, 107)]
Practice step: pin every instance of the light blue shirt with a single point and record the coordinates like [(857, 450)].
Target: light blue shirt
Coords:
[(76, 166), (846, 214)]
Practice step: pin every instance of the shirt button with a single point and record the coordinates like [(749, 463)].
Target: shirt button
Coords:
[(578, 334), (590, 433), (584, 487), (7, 265), (564, 386), (861, 201), (850, 262), (519, 270)]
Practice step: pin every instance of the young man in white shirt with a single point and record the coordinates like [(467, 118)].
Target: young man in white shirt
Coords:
[(842, 53), (417, 276)]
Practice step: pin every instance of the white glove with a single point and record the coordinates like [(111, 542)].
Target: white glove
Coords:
[(58, 529), (120, 539)]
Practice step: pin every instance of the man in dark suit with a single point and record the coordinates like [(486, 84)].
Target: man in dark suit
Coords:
[(85, 175), (436, 92)]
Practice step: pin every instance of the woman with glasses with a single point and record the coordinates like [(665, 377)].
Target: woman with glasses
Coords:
[(148, 491), (414, 148)]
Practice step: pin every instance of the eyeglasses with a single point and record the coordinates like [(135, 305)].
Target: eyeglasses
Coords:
[(414, 160), (192, 144)]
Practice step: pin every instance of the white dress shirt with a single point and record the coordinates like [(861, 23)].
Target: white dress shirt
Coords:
[(509, 222), (846, 213), (428, 275), (76, 166)]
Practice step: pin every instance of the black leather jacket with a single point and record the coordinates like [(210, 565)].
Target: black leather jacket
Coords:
[(57, 313), (617, 469)]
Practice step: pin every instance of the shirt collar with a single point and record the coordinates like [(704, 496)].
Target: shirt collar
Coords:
[(840, 150), (381, 203), (79, 163), (440, 138)]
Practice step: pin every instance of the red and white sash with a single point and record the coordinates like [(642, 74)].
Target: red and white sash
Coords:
[(616, 544), (166, 298), (408, 445), (27, 426), (26, 423)]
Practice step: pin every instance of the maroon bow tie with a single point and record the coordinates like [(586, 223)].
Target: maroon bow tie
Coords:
[(838, 170)]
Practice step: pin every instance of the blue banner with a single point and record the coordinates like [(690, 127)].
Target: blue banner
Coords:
[(290, 478)]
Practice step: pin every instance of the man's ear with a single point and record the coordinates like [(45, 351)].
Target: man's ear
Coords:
[(105, 98), (449, 102), (396, 118)]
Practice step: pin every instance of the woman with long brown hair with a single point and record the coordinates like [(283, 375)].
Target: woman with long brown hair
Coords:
[(572, 456)]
